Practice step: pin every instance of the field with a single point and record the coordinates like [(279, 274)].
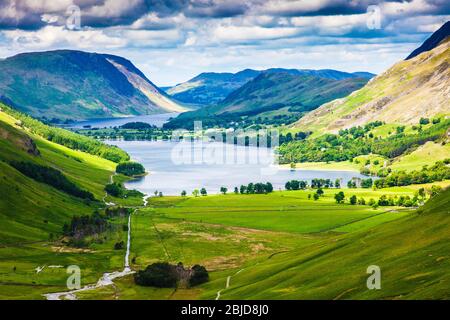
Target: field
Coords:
[(228, 233)]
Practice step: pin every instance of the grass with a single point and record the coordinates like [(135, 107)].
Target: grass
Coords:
[(31, 212), (227, 233), (412, 253), (427, 154)]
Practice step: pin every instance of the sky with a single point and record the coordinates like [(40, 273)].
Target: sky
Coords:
[(172, 41)]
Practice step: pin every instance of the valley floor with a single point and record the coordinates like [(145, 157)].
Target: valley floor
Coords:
[(251, 245)]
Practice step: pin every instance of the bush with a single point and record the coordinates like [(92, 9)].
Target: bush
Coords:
[(119, 245), (130, 168)]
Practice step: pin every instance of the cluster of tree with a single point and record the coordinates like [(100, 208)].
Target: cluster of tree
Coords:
[(52, 177), (437, 172), (296, 185), (357, 141), (119, 191), (256, 188), (83, 226), (138, 126), (315, 184), (364, 183), (384, 200), (69, 139), (165, 275), (112, 212), (130, 168)]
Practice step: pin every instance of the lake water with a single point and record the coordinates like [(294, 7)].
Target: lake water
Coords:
[(155, 119), (177, 166)]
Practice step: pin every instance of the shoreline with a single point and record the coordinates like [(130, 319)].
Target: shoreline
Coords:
[(320, 166)]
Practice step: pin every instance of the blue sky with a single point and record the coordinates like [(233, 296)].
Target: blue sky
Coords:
[(172, 41)]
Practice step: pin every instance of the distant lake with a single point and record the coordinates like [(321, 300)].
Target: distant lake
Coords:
[(177, 166), (155, 119)]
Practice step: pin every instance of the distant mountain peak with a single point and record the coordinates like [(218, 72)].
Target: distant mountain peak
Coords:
[(433, 41)]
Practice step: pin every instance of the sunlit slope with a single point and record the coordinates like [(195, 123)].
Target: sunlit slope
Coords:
[(69, 84), (409, 90), (413, 253), (30, 210)]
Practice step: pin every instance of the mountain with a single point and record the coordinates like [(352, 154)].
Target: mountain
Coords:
[(300, 89), (68, 84), (278, 93), (210, 88), (433, 41), (411, 89)]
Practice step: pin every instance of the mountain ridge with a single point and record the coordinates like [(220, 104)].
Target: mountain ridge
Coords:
[(209, 88), (409, 90), (72, 84), (433, 41)]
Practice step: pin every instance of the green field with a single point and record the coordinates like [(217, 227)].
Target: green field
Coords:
[(228, 233)]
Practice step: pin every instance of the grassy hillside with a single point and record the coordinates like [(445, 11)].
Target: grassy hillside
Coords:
[(33, 213), (78, 85), (412, 253), (406, 92)]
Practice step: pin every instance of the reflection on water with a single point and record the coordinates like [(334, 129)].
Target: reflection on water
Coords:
[(218, 165)]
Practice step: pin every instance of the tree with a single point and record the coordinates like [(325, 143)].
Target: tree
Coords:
[(339, 197), (337, 183), (435, 190), (195, 193), (424, 121), (366, 183), (114, 189), (269, 187), (287, 186), (243, 189), (319, 192), (183, 193), (223, 190), (160, 194), (199, 275), (203, 192), (316, 196), (236, 190), (353, 200)]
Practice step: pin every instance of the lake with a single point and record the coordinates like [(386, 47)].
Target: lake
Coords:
[(177, 166), (155, 119)]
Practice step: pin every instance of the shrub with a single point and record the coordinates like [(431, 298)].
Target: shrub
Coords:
[(119, 245)]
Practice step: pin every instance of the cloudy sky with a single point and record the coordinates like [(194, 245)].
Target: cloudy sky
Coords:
[(173, 40)]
